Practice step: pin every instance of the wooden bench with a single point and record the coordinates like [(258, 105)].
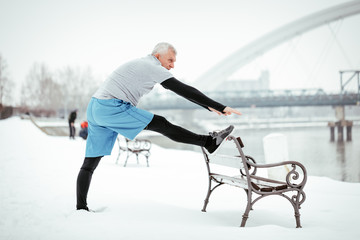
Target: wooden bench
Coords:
[(256, 187), (136, 146)]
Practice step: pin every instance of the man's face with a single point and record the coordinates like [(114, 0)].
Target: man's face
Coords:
[(167, 60)]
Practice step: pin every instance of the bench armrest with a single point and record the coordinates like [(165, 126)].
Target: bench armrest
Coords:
[(296, 177)]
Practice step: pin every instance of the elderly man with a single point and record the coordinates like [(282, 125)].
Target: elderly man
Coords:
[(112, 110)]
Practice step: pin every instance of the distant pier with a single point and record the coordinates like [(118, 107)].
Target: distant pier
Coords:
[(340, 125)]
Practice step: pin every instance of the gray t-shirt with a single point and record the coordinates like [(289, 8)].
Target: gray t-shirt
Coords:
[(132, 80)]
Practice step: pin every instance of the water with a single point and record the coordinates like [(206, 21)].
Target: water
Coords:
[(310, 146)]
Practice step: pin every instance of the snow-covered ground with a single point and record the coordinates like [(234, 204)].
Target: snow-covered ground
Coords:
[(37, 197)]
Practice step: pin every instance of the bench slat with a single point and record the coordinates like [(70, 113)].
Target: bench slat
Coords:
[(239, 181), (224, 160), (258, 184)]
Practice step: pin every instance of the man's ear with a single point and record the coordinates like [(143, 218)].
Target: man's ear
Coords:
[(157, 55)]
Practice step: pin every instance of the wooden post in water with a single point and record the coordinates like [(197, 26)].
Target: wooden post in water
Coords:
[(340, 127), (332, 131), (348, 130), (340, 130)]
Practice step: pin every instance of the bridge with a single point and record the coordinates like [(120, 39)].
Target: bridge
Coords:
[(251, 99), (211, 79), (220, 73)]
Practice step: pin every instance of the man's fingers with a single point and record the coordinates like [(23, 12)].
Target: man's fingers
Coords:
[(237, 112), (227, 111), (230, 110)]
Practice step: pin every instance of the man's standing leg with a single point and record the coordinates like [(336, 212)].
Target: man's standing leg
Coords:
[(83, 181), (99, 143)]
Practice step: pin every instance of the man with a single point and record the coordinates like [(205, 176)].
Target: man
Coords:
[(112, 111), (72, 118)]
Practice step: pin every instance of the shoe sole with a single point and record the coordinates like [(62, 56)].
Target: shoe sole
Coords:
[(222, 142)]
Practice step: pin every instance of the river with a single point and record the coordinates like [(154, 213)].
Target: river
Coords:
[(310, 146)]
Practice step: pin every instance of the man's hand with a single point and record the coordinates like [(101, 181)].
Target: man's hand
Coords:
[(227, 111)]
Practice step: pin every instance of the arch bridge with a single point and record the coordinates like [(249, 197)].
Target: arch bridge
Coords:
[(224, 69), (268, 98)]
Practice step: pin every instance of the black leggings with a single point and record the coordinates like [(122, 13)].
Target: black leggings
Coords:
[(158, 124), (161, 125), (84, 179)]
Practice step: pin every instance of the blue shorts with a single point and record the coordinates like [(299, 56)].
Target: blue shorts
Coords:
[(109, 117)]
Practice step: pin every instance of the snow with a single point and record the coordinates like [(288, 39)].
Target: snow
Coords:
[(37, 197)]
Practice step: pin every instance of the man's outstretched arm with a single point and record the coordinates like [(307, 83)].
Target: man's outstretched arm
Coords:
[(194, 95)]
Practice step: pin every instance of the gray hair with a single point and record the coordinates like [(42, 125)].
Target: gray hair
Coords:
[(162, 48)]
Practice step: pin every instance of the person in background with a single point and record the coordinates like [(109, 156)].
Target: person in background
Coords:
[(112, 110), (72, 118), (84, 130)]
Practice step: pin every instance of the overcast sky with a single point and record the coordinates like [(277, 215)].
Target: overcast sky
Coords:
[(104, 34)]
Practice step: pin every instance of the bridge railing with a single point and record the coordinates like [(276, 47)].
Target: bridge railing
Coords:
[(262, 98)]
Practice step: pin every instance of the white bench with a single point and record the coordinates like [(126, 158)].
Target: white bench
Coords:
[(136, 146), (256, 187)]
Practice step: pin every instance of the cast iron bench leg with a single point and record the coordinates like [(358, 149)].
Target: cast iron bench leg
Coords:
[(297, 218), (147, 160), (246, 214)]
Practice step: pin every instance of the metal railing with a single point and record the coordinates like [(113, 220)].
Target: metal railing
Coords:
[(262, 98)]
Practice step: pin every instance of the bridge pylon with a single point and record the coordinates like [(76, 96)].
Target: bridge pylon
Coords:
[(341, 123)]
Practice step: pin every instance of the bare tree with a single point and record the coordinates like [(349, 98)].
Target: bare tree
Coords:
[(77, 87), (91, 85), (6, 84), (40, 89), (71, 88)]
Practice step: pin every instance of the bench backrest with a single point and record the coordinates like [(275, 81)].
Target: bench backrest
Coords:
[(227, 161), (238, 160), (296, 176), (136, 144)]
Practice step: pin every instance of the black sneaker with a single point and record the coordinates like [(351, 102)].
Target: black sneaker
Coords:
[(218, 138), (83, 208), (86, 209)]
